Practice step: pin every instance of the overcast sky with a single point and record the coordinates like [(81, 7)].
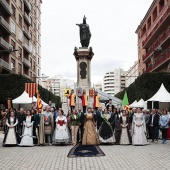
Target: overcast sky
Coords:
[(112, 23)]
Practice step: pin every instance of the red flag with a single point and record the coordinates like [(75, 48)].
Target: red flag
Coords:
[(31, 88)]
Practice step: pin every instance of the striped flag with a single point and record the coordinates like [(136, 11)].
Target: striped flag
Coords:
[(39, 101), (31, 88)]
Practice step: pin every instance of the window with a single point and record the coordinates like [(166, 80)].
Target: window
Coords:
[(30, 45), (38, 60), (12, 64), (38, 72), (31, 35), (149, 23), (19, 68), (20, 4), (161, 5), (13, 10), (31, 62), (20, 35), (35, 26), (34, 51), (20, 20), (20, 52), (155, 14), (31, 20), (13, 28), (13, 44)]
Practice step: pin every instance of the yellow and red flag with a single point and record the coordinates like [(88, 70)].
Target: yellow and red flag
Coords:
[(31, 88)]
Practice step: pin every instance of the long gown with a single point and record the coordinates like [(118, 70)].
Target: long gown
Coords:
[(11, 137), (90, 136), (138, 133), (27, 137), (125, 136), (106, 134), (61, 133)]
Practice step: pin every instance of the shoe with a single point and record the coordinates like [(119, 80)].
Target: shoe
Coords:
[(50, 144)]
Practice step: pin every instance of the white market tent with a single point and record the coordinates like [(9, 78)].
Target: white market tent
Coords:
[(162, 95), (140, 103), (131, 105)]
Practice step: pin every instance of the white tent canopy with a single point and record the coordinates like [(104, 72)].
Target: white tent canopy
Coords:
[(25, 99), (140, 103), (162, 95), (131, 105)]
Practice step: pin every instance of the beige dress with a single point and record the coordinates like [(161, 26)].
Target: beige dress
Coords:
[(90, 136)]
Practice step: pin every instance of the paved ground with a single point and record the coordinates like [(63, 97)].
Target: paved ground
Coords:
[(151, 157)]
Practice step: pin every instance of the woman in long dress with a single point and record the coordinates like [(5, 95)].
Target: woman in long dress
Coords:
[(138, 129), (106, 134), (90, 136), (27, 136), (125, 138), (61, 132), (117, 125), (11, 137)]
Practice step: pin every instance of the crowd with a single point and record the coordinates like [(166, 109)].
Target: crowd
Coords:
[(95, 126)]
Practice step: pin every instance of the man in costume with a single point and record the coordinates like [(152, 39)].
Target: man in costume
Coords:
[(84, 99), (21, 117), (46, 127), (96, 101), (72, 102)]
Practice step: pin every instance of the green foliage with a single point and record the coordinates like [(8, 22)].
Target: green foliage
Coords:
[(13, 85), (145, 86)]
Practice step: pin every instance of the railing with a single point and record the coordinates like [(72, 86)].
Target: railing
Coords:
[(156, 45), (5, 64), (4, 43), (159, 62), (156, 26), (28, 5), (5, 24), (27, 62), (6, 6), (27, 18), (26, 47)]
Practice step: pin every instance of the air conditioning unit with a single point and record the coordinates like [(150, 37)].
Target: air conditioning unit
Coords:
[(12, 66), (11, 49)]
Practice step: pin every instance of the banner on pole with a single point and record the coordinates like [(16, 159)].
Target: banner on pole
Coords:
[(91, 92), (79, 91), (67, 92)]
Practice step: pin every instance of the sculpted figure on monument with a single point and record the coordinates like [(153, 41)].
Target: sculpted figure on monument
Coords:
[(85, 33)]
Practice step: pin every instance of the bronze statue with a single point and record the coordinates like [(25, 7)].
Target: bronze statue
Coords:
[(85, 33)]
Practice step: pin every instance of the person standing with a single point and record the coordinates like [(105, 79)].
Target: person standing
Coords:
[(74, 123), (27, 136), (36, 125), (112, 117), (4, 116), (125, 137), (138, 129), (154, 125), (96, 101), (117, 125), (11, 137), (90, 136), (110, 105), (46, 127), (72, 102), (84, 99), (163, 122), (21, 118), (146, 114), (99, 114)]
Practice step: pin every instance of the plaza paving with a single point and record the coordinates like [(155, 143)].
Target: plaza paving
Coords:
[(151, 157)]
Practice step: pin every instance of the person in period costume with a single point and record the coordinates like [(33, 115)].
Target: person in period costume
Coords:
[(146, 114), (163, 123), (138, 129), (74, 123), (154, 125), (90, 136), (84, 99), (3, 118), (117, 125), (112, 117), (110, 105), (21, 118), (168, 131), (61, 131), (96, 101), (125, 137), (72, 98), (27, 137), (98, 117), (68, 121), (11, 137), (46, 127), (106, 134)]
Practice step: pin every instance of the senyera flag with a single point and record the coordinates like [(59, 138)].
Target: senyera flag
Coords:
[(39, 102), (31, 88)]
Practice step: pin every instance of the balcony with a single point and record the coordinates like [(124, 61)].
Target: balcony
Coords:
[(5, 6), (26, 47), (26, 32), (4, 44), (157, 26), (160, 62), (26, 62), (5, 65), (164, 38), (5, 25), (26, 76), (27, 18), (27, 5)]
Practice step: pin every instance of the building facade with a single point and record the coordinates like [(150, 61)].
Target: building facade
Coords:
[(20, 29), (132, 74), (154, 38), (98, 86), (114, 81)]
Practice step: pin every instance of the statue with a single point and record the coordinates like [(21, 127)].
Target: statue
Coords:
[(85, 33)]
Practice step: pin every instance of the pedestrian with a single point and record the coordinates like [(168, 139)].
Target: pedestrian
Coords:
[(4, 116), (109, 104), (163, 123), (21, 118), (84, 99), (117, 125), (98, 116)]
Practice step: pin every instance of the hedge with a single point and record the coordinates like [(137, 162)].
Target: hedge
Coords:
[(13, 85), (145, 86)]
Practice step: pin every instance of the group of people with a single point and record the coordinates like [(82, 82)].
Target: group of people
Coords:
[(93, 127)]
